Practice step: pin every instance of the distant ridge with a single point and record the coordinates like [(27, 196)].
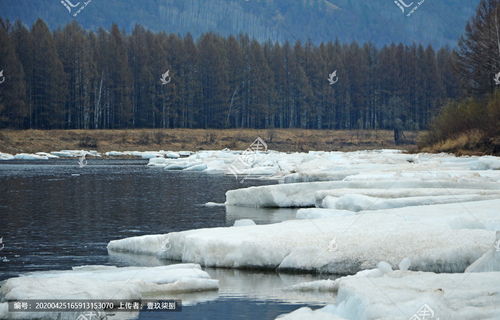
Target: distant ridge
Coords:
[(439, 23)]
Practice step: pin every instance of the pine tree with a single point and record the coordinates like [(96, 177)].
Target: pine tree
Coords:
[(13, 108)]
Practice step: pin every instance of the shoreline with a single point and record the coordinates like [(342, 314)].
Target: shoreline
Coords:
[(285, 140)]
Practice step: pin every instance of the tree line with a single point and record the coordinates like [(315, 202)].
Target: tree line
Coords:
[(472, 124), (71, 78)]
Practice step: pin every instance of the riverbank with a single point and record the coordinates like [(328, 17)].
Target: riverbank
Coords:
[(286, 140)]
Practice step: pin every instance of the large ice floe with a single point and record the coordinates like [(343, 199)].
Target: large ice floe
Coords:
[(328, 166), (104, 282), (403, 295), (439, 210), (438, 238)]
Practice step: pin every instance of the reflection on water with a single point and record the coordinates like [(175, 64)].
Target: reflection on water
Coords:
[(253, 284), (259, 215), (56, 215)]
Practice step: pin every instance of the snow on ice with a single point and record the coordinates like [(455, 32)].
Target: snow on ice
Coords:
[(402, 295), (438, 238), (104, 282)]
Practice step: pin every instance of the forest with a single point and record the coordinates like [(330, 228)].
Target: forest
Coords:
[(71, 78)]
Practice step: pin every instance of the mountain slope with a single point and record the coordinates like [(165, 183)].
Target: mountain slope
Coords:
[(379, 21)]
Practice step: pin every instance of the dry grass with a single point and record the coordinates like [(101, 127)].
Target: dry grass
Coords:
[(472, 142), (16, 141)]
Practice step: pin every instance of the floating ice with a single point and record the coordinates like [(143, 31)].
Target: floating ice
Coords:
[(437, 238), (29, 156), (304, 194), (6, 156), (490, 261), (309, 314), (214, 204), (103, 282), (404, 294), (48, 155), (244, 223), (75, 153), (335, 166), (356, 202)]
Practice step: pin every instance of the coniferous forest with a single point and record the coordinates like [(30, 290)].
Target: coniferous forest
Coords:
[(71, 78)]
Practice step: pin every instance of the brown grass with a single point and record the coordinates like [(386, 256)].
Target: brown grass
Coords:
[(472, 142), (16, 141)]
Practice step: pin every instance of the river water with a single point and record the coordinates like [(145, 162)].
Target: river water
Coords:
[(55, 215)]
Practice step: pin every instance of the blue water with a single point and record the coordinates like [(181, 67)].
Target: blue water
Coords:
[(55, 215)]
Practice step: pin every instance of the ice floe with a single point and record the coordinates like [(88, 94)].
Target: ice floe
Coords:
[(304, 194), (331, 166), (104, 282), (29, 156), (438, 238), (407, 295), (490, 261), (6, 156)]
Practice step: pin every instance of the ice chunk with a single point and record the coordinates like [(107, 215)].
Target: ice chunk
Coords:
[(404, 265), (6, 156), (74, 153), (384, 267), (196, 167), (363, 240), (322, 213), (445, 296), (244, 222), (214, 204), (48, 155), (309, 314), (406, 295), (172, 155), (304, 194), (490, 261), (319, 285), (104, 282), (357, 202), (29, 156)]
